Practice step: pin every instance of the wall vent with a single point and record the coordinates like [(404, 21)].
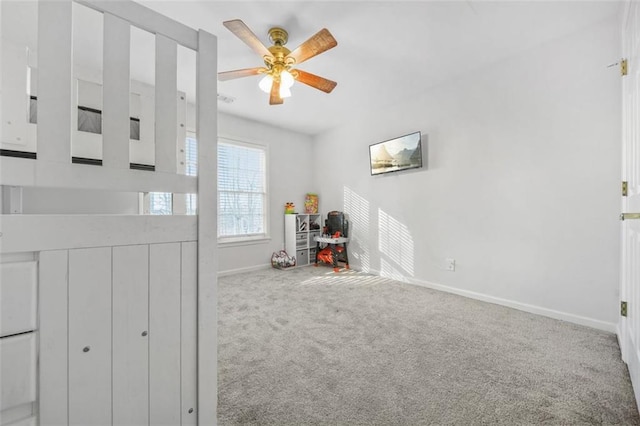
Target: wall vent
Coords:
[(226, 99)]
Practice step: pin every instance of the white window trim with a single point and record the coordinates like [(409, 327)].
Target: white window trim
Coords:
[(259, 238), (243, 241)]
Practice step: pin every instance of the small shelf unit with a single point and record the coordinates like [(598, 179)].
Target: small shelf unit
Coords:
[(299, 232)]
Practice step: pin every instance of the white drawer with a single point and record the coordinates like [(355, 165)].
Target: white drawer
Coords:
[(18, 370), (30, 421), (18, 296)]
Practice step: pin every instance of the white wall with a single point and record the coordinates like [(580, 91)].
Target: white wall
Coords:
[(521, 187), (290, 165)]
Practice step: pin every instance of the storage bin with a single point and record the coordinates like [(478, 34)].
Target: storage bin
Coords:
[(302, 257), (312, 235)]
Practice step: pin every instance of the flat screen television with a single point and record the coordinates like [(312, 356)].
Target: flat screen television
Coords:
[(394, 155)]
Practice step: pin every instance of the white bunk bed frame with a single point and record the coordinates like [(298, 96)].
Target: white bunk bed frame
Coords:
[(126, 306)]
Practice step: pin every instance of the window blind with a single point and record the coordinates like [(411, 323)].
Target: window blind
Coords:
[(242, 190), (191, 169)]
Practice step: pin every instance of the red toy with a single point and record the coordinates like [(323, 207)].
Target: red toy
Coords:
[(326, 254)]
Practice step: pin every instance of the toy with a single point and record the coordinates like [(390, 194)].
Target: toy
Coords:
[(281, 260), (311, 203), (289, 208)]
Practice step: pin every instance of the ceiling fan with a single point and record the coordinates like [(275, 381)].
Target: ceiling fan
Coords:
[(279, 61)]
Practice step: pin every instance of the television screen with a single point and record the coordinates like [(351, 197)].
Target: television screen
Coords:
[(402, 153)]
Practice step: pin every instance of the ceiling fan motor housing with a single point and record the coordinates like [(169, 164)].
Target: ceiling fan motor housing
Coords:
[(278, 36), (278, 62)]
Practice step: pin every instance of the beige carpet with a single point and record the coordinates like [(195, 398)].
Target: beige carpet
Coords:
[(308, 346)]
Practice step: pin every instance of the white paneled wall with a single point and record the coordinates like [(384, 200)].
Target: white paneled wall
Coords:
[(164, 340), (189, 332), (89, 352), (131, 352), (130, 318), (53, 306)]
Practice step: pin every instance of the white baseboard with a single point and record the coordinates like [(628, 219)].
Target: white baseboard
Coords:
[(241, 270), (538, 310)]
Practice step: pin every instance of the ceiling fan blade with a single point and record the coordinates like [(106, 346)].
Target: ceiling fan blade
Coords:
[(275, 98), (246, 72), (243, 32), (318, 43), (315, 81)]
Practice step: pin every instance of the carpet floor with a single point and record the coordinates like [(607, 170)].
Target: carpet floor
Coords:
[(311, 347)]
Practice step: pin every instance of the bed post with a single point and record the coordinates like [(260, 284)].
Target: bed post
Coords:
[(207, 131)]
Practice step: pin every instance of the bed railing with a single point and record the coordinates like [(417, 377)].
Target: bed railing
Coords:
[(48, 162), (52, 166)]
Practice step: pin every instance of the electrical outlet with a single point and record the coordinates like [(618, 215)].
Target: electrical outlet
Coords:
[(450, 264)]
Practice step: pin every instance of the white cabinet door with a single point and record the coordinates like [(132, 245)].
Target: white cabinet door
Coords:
[(164, 333), (189, 332), (53, 379), (130, 335), (90, 336)]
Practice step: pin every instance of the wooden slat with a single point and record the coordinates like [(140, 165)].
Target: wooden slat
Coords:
[(13, 199), (164, 334), (166, 104), (27, 233), (55, 75), (115, 94), (181, 117), (207, 131), (24, 172), (189, 333), (90, 336), (130, 341), (53, 362), (14, 101), (147, 19)]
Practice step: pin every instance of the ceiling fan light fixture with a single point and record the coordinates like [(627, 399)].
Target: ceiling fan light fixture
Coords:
[(265, 83), (286, 79), (285, 92)]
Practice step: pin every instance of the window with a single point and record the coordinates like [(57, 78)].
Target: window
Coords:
[(191, 155), (89, 120), (191, 169), (162, 202), (242, 190)]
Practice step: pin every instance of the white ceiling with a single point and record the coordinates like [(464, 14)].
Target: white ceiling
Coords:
[(387, 51)]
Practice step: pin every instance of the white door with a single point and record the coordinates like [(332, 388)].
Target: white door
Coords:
[(630, 270)]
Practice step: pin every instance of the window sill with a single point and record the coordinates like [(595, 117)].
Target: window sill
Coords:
[(234, 242)]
